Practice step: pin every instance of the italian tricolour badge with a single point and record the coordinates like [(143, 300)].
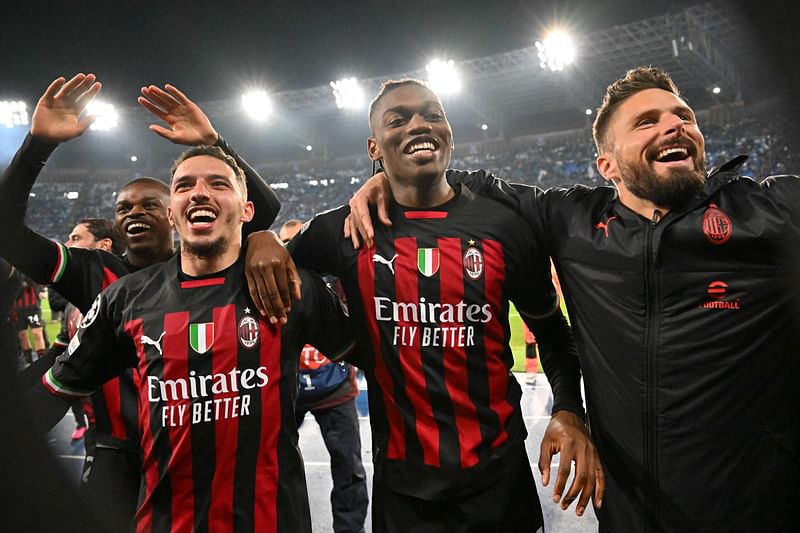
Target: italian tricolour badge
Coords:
[(201, 336), (428, 261)]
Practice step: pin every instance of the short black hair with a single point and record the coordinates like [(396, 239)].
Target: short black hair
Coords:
[(102, 228), (157, 183), (389, 86)]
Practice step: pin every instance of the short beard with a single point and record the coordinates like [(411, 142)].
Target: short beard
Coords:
[(206, 250), (670, 191)]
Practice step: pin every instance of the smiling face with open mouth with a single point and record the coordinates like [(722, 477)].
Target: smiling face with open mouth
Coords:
[(657, 151), (206, 206), (411, 135), (140, 215)]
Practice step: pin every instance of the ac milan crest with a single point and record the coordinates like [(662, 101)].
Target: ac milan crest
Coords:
[(473, 262), (716, 225), (248, 332)]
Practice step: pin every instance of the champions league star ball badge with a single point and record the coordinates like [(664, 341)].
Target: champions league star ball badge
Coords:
[(473, 263), (248, 332)]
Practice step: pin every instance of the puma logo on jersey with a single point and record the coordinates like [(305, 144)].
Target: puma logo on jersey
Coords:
[(388, 262), (156, 343), (604, 225)]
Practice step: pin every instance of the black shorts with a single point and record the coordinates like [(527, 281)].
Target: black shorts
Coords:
[(509, 506), (29, 317)]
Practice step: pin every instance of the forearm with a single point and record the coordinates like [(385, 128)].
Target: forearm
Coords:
[(48, 409), (265, 201), (30, 252), (559, 358)]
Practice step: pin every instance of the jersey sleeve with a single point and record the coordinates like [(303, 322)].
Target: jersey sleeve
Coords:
[(317, 246), (265, 202), (535, 297), (325, 320), (99, 351), (32, 253)]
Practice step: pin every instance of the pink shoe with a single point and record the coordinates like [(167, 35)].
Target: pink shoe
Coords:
[(78, 433)]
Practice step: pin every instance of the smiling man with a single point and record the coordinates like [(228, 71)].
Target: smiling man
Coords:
[(684, 293), (217, 384), (432, 299), (80, 274)]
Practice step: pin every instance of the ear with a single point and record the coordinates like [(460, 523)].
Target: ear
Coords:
[(373, 149), (104, 244), (607, 166), (170, 217), (248, 212)]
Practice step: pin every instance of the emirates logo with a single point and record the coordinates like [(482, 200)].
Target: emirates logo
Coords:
[(717, 225)]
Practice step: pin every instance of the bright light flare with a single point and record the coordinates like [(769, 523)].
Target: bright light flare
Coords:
[(107, 117), (257, 105), (716, 89), (556, 51), (348, 93), (443, 77), (13, 114)]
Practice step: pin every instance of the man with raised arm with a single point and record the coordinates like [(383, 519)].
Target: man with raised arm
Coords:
[(141, 217), (217, 384)]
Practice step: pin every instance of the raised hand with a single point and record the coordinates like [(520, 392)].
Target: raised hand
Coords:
[(187, 123), (57, 117)]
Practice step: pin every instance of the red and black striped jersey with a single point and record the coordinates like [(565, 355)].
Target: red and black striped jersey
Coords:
[(216, 393), (28, 297), (433, 295)]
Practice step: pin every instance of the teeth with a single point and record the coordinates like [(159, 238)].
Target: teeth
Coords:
[(202, 213), (667, 151), (427, 145), (138, 225)]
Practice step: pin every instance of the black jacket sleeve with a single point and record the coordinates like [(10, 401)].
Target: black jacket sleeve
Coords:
[(31, 253), (265, 201)]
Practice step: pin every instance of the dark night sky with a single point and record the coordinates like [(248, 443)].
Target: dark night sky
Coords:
[(214, 48)]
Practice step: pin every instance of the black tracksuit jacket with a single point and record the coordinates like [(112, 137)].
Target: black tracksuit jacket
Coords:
[(688, 333)]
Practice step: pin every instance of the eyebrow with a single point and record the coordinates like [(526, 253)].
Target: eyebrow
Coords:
[(405, 109)]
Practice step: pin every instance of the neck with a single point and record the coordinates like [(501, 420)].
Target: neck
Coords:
[(141, 260), (425, 194), (195, 265), (642, 207)]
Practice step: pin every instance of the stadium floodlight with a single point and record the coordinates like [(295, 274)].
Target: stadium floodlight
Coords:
[(484, 127), (134, 159), (588, 111), (556, 51), (348, 93), (257, 104), (107, 116), (716, 89), (13, 113), (443, 77), (309, 148)]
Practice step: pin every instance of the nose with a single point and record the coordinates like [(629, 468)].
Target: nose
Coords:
[(200, 190), (674, 125), (418, 124)]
